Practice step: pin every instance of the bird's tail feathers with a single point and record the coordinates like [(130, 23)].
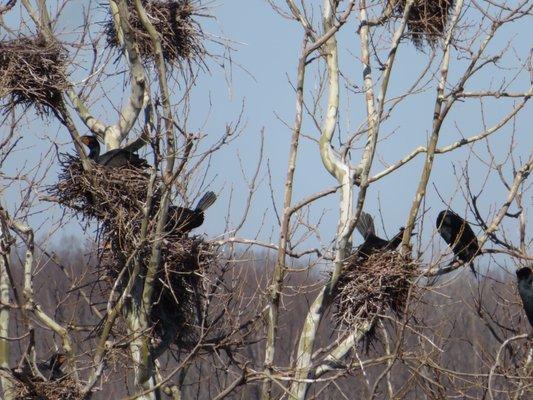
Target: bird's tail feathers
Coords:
[(365, 225), (206, 201)]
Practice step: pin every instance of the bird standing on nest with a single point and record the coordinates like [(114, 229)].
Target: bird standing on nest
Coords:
[(113, 158), (182, 220), (525, 289), (373, 243), (49, 369), (459, 235)]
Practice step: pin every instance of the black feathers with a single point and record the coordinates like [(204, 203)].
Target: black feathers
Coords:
[(459, 236), (113, 158), (50, 370), (525, 289), (373, 243), (182, 220)]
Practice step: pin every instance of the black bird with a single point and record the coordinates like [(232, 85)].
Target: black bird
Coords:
[(457, 233), (49, 369), (525, 289), (181, 220), (373, 243), (113, 158)]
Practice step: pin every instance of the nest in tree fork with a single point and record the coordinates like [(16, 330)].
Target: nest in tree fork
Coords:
[(427, 19), (369, 287), (179, 303), (181, 37), (116, 198), (33, 72), (64, 389)]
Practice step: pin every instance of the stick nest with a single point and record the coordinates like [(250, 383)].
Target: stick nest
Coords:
[(369, 287), (33, 72), (181, 288), (427, 19), (180, 35), (63, 389), (117, 198)]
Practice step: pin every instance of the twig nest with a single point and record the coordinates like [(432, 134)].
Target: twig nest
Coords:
[(181, 285), (181, 36), (427, 19), (181, 289), (33, 72), (113, 196), (117, 199), (369, 287), (63, 389)]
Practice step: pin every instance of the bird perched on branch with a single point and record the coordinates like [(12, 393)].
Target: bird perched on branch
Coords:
[(373, 243), (182, 220), (525, 289), (459, 235), (113, 158)]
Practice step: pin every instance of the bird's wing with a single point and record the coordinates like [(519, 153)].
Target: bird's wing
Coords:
[(395, 241), (467, 235), (112, 157), (365, 225), (525, 289), (464, 240)]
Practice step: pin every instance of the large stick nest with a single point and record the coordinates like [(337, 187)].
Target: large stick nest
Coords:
[(427, 19), (114, 197), (63, 389), (180, 35), (33, 72), (181, 288), (369, 287), (117, 198)]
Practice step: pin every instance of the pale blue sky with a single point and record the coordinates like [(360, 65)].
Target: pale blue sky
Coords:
[(265, 56)]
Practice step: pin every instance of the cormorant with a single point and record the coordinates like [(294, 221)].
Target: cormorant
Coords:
[(525, 289), (373, 243), (113, 158), (181, 220), (457, 233), (49, 369)]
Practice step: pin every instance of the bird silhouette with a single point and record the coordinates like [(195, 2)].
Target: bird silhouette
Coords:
[(458, 234), (181, 220), (49, 369), (113, 158), (525, 289), (373, 243)]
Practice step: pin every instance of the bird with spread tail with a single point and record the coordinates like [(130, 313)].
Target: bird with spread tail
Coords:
[(524, 277), (181, 220), (113, 158), (373, 243), (458, 234)]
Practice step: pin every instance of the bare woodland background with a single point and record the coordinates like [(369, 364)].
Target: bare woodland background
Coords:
[(364, 108)]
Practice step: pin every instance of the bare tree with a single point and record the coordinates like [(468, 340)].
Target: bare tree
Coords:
[(179, 315)]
